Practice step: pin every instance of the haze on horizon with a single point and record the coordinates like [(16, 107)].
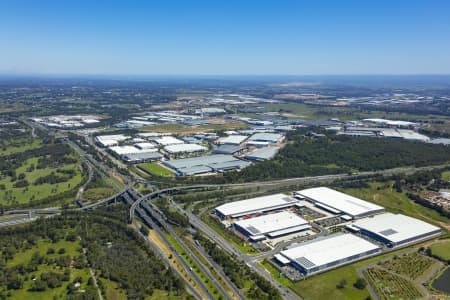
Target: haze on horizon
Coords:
[(225, 37)]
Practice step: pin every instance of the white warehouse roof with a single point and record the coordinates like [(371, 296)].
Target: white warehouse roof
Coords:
[(391, 122), (396, 228), (330, 250), (254, 205), (184, 148), (232, 139), (123, 150), (152, 134), (168, 140), (144, 145), (111, 140), (271, 223), (341, 202)]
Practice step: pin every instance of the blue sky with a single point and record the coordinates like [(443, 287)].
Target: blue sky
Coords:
[(225, 37)]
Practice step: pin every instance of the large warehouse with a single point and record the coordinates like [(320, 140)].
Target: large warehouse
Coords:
[(266, 137), (205, 164), (168, 140), (111, 140), (262, 154), (271, 225), (329, 252), (254, 206), (396, 229), (337, 202), (232, 140), (184, 148)]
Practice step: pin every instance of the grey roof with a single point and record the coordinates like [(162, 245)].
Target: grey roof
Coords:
[(204, 164), (195, 170), (263, 153), (143, 156), (227, 149), (191, 139), (270, 137)]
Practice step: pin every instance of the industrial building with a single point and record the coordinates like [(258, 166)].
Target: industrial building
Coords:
[(254, 206), (264, 137), (205, 164), (184, 148), (392, 123), (168, 140), (111, 140), (126, 149), (144, 145), (63, 121), (232, 140), (134, 154), (152, 134), (228, 149), (339, 203), (210, 111), (271, 225), (262, 154), (395, 229), (384, 132), (326, 253), (142, 157)]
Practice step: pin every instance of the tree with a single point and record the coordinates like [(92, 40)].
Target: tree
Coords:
[(90, 281), (360, 284), (341, 284), (38, 286)]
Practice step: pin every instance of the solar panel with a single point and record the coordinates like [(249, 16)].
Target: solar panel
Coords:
[(303, 261), (253, 230), (388, 232)]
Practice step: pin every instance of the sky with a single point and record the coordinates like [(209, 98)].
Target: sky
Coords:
[(228, 37)]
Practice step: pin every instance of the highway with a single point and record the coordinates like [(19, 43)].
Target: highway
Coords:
[(148, 220), (161, 255), (219, 270), (150, 209)]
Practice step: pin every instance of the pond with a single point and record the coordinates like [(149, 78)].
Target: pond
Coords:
[(442, 283)]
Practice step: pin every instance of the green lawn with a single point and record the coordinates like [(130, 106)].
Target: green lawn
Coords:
[(275, 273), (159, 294), (445, 175), (302, 110), (344, 113), (441, 250), (182, 129), (99, 193), (20, 145), (24, 195), (112, 290), (156, 169), (42, 246), (383, 194)]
